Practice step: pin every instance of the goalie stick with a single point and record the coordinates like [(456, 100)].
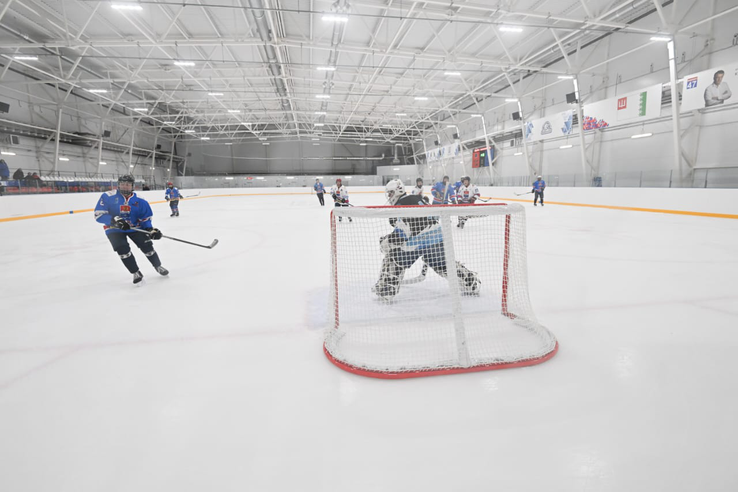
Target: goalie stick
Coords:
[(210, 246), (421, 276)]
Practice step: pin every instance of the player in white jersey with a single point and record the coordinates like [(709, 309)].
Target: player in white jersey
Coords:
[(340, 196), (418, 190), (467, 193)]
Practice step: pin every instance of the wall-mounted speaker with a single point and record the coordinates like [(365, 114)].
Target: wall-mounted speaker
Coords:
[(436, 142), (106, 133), (516, 116), (571, 98), (158, 146), (456, 136), (4, 107)]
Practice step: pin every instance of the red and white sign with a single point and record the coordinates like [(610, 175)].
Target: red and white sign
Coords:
[(622, 103)]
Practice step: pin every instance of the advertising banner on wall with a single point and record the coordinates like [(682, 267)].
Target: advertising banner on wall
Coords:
[(642, 104), (445, 152), (555, 125), (710, 88)]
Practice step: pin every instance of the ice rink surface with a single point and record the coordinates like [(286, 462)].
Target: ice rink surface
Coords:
[(214, 378)]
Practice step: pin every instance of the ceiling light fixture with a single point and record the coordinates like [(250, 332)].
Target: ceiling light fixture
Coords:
[(335, 18), (184, 63), (7, 153), (327, 69), (566, 146), (511, 100), (97, 91), (566, 77), (204, 138), (141, 110), (400, 114), (660, 38), (25, 57), (126, 6), (103, 163), (63, 159), (363, 144), (189, 131), (234, 110), (476, 116), (264, 143), (642, 135), (511, 29), (421, 98), (320, 112), (215, 93), (518, 153), (229, 143), (322, 96), (320, 124)]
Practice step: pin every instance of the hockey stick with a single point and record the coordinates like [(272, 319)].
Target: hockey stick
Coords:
[(210, 246), (521, 194), (190, 196)]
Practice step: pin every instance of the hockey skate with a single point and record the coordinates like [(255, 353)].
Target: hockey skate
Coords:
[(137, 277), (162, 271), (389, 281)]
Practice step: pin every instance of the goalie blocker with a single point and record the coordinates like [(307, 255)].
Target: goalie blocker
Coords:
[(463, 307)]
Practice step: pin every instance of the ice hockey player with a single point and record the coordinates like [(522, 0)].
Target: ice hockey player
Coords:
[(538, 188), (173, 195), (418, 190), (415, 238), (442, 192), (340, 197), (466, 193), (319, 190), (120, 210)]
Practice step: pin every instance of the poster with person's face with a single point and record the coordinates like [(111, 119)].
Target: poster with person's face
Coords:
[(711, 88)]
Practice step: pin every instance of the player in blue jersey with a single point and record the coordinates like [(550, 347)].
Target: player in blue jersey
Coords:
[(442, 192), (121, 210), (173, 195), (414, 238), (319, 190), (538, 188), (456, 186)]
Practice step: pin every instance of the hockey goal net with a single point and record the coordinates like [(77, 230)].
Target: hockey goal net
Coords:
[(418, 291)]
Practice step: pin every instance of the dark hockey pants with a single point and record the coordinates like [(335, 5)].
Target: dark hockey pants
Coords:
[(538, 194), (321, 200), (174, 205), (120, 244)]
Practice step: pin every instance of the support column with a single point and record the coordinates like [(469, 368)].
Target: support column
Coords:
[(171, 160), (522, 135), (58, 135), (153, 159), (675, 111), (582, 149), (130, 150)]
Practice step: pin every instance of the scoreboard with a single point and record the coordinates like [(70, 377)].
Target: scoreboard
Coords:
[(482, 157)]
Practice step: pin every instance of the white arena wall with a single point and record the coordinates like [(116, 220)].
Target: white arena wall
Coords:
[(704, 201)]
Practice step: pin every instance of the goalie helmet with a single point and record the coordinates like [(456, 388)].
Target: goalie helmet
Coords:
[(394, 191)]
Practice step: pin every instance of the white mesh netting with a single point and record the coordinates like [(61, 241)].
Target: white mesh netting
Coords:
[(435, 297)]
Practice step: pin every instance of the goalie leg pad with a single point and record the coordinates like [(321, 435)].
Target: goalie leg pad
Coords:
[(390, 278), (470, 283)]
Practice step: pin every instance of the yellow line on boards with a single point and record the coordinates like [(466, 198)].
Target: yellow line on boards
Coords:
[(567, 204), (628, 209)]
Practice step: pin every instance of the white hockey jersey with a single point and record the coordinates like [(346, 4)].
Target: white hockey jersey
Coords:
[(464, 194), (417, 191), (340, 192)]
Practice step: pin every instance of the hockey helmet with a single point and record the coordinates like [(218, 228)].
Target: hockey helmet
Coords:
[(394, 191), (126, 180), (465, 178), (170, 184), (419, 180)]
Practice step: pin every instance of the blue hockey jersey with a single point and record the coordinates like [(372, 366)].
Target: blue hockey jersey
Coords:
[(172, 194), (438, 193), (319, 188), (136, 211)]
